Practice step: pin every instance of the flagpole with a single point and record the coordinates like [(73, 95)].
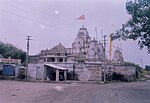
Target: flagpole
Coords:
[(83, 21)]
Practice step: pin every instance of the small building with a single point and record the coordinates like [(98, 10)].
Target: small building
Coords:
[(9, 67), (48, 72)]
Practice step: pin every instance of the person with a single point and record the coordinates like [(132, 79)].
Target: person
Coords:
[(48, 77), (61, 78)]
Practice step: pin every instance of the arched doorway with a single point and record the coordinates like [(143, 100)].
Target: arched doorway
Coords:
[(60, 60)]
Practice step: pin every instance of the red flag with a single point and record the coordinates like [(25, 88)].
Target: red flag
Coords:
[(82, 17)]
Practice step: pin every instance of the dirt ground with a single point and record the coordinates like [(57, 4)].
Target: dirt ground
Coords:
[(34, 92), (25, 92)]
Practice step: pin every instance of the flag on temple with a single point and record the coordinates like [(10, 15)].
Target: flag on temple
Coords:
[(82, 17)]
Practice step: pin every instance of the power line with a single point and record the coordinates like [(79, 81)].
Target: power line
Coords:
[(28, 18), (21, 10), (36, 12), (31, 18), (24, 17)]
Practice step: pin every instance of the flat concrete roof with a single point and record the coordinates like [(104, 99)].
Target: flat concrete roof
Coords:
[(55, 66)]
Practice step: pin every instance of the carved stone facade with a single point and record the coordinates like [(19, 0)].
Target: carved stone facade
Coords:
[(85, 58), (83, 50), (118, 57), (56, 54)]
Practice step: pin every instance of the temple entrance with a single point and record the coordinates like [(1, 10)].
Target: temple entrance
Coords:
[(50, 73), (61, 75), (22, 72), (55, 73)]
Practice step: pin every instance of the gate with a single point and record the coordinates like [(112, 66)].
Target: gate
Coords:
[(8, 70)]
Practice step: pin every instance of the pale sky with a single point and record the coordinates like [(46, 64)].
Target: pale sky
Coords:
[(52, 21)]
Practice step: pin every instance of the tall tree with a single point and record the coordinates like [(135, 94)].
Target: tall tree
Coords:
[(8, 50), (138, 26)]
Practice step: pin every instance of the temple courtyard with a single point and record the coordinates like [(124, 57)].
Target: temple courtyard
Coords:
[(34, 92)]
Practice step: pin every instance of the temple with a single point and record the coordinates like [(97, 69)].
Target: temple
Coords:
[(83, 50), (85, 60)]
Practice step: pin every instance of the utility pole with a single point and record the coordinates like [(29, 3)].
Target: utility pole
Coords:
[(142, 64), (27, 56), (104, 61)]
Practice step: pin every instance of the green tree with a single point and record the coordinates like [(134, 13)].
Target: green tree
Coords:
[(8, 50), (138, 26)]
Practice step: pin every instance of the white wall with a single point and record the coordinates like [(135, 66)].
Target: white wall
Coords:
[(36, 71)]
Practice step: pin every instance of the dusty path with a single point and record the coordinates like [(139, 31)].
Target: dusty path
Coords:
[(27, 92)]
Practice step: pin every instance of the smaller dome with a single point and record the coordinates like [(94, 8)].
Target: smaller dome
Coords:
[(58, 49), (118, 56)]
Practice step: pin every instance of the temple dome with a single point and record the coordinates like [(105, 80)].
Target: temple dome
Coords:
[(83, 28), (58, 49), (82, 32), (118, 56)]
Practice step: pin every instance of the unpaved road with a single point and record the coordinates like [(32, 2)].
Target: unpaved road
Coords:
[(28, 92)]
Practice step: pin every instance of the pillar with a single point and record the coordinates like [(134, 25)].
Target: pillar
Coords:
[(63, 60), (44, 73), (46, 60), (57, 75), (56, 60), (65, 75)]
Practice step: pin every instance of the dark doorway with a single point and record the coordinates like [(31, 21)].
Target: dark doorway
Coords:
[(21, 73), (50, 73), (1, 72), (60, 60), (61, 75), (117, 76)]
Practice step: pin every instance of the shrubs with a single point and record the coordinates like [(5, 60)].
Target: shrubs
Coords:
[(8, 50)]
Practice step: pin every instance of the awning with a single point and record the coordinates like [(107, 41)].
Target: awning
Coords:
[(55, 66)]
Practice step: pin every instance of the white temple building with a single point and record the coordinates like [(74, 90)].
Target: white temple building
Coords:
[(86, 58), (83, 50)]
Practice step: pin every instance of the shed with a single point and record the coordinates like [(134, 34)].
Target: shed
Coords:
[(55, 72)]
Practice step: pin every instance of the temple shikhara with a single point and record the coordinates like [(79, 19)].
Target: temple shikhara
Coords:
[(83, 50), (85, 60)]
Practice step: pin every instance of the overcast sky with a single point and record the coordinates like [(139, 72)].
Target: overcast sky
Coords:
[(52, 21)]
